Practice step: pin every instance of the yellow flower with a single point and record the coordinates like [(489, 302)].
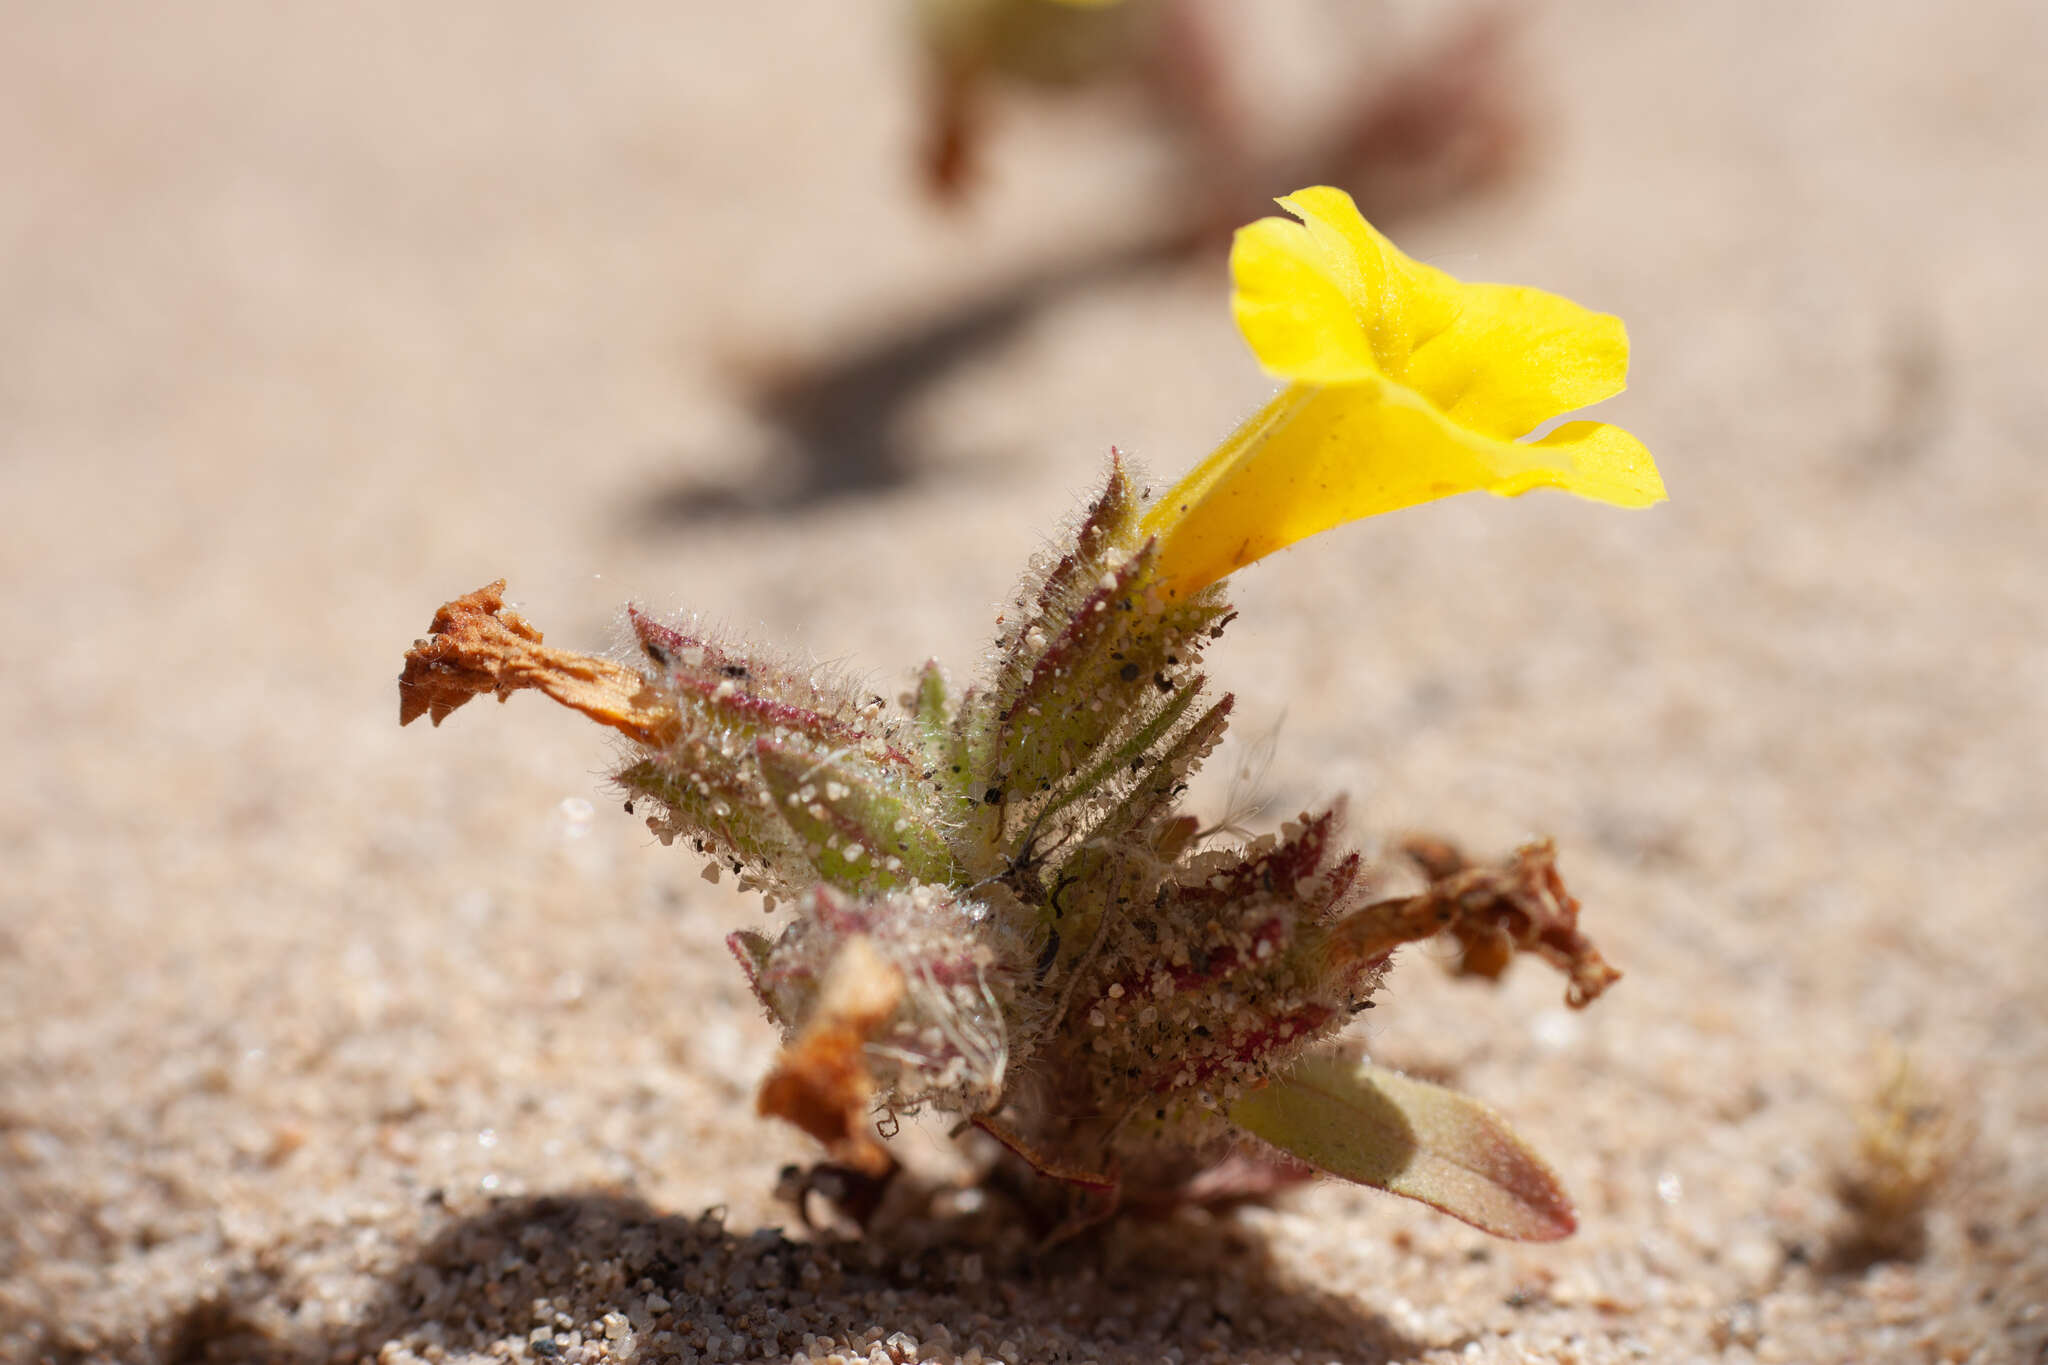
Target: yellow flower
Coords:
[(1405, 385)]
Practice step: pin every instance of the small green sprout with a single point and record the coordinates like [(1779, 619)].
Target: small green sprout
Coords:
[(999, 909)]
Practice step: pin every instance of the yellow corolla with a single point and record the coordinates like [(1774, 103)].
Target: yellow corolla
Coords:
[(1405, 385)]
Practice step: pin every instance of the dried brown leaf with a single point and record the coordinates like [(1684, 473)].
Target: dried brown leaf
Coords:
[(821, 1083), (1493, 912), (476, 646)]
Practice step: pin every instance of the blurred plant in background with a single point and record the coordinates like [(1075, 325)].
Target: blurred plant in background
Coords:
[(973, 45), (1435, 120)]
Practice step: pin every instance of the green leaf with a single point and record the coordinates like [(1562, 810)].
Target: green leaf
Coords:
[(858, 820), (1343, 1115), (931, 711), (711, 799)]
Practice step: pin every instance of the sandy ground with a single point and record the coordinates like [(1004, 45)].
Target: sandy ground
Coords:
[(323, 1040)]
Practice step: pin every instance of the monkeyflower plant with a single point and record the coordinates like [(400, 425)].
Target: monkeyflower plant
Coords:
[(997, 908)]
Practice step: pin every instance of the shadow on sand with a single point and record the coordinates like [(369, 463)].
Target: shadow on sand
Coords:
[(837, 426), (664, 1286)]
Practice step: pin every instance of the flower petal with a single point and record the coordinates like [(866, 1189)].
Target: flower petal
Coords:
[(1294, 300), (1607, 465), (1314, 458), (1329, 300), (1516, 357)]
